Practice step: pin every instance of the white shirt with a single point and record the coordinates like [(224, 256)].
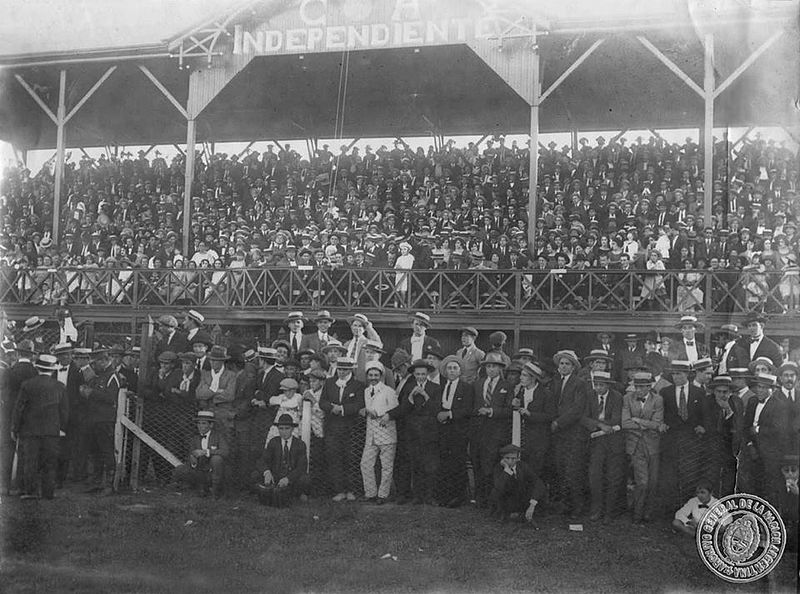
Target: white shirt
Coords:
[(692, 510), (448, 394), (601, 410), (191, 333), (417, 342), (204, 441), (215, 378), (63, 372), (527, 396), (691, 351), (754, 346), (759, 408), (723, 365)]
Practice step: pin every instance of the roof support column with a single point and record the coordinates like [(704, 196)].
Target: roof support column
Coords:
[(61, 116), (187, 183), (533, 175), (708, 128)]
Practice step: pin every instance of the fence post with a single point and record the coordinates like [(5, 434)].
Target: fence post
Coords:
[(137, 447), (119, 430), (305, 428)]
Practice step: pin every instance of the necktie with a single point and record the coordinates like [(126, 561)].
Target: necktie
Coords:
[(601, 409), (296, 342), (372, 393), (464, 352), (447, 392), (682, 409), (285, 453), (487, 392)]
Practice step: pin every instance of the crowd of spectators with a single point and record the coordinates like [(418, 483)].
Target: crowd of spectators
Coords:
[(611, 204)]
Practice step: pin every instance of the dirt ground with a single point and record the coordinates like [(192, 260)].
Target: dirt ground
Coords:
[(161, 541)]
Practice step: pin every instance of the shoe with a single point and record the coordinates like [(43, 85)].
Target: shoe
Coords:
[(350, 496), (339, 497)]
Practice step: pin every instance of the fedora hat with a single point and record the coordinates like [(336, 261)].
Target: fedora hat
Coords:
[(324, 315), (493, 358), (399, 358), (285, 420), (566, 354), (218, 353), (295, 315), (46, 362), (190, 357), (421, 363)]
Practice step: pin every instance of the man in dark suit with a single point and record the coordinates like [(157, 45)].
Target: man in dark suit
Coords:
[(629, 357), (420, 343), (682, 450), (342, 399), (749, 348), (71, 450), (39, 420), (21, 370), (453, 417), (420, 404), (538, 410), (169, 338), (688, 348), (569, 436), (603, 419), (491, 412), (283, 468), (295, 322), (208, 450), (767, 431), (316, 340), (724, 417), (516, 489)]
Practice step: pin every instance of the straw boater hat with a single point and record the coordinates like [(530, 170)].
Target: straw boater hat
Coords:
[(688, 321), (62, 348), (32, 324), (765, 378), (345, 363), (424, 318), (334, 344), (602, 376), (788, 366), (374, 345), (642, 378), (764, 361), (597, 355), (267, 353), (46, 363), (721, 380), (702, 364), (679, 367), (533, 369), (359, 318), (205, 415), (295, 315), (525, 352), (566, 354), (324, 315), (196, 317)]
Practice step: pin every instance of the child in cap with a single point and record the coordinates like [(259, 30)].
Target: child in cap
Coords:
[(288, 402)]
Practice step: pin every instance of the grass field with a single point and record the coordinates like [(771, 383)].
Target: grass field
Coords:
[(168, 542)]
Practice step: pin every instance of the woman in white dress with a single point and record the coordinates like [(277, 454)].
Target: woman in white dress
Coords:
[(405, 261)]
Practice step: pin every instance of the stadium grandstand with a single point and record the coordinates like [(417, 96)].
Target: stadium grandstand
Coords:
[(563, 188)]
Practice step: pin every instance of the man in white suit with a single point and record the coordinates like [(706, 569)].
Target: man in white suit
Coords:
[(381, 438)]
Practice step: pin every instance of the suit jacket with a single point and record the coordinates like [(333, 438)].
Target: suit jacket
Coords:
[(15, 376), (571, 401), (696, 401), (624, 359), (677, 350), (461, 405), (419, 413), (641, 422), (428, 343), (498, 425), (176, 343), (542, 411), (226, 392), (76, 403), (766, 348), (272, 459), (727, 429), (312, 342), (470, 363), (42, 408), (351, 399), (267, 385), (774, 426), (525, 486), (217, 443), (381, 402)]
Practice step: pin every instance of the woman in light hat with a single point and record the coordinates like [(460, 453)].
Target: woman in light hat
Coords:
[(405, 261)]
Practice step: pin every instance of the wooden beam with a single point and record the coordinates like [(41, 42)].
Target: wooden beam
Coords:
[(671, 65), (36, 98), (187, 184), (179, 149), (164, 91), (150, 442), (247, 148), (747, 63), (581, 59), (89, 93), (533, 174), (60, 147), (708, 127)]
